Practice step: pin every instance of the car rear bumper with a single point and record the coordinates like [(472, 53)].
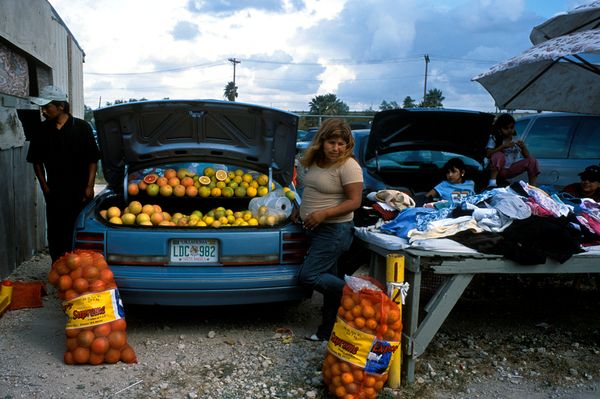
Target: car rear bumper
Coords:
[(167, 297), (208, 286)]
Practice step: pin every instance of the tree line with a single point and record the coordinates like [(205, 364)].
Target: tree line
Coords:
[(323, 104)]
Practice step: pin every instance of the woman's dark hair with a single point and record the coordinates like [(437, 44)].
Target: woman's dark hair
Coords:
[(501, 121), (454, 163)]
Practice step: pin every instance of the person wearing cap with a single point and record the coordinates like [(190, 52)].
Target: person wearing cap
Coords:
[(64, 155), (588, 187)]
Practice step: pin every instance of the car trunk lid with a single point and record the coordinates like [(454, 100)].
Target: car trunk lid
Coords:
[(461, 132)]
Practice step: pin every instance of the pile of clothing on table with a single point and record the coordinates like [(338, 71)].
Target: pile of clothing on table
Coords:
[(521, 222)]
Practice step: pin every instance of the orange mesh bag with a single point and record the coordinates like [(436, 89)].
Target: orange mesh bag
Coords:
[(96, 324), (364, 339)]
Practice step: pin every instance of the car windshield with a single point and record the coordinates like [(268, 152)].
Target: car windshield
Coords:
[(418, 159)]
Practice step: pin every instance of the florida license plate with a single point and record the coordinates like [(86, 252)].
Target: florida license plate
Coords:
[(194, 251)]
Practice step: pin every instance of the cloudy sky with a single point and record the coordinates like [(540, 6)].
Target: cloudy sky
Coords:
[(364, 51)]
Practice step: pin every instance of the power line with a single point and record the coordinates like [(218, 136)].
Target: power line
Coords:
[(334, 62), (177, 69), (289, 63)]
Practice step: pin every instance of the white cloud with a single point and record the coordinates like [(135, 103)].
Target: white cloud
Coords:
[(365, 51)]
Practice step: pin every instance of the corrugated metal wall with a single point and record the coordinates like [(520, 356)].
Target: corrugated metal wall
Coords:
[(22, 217), (34, 29)]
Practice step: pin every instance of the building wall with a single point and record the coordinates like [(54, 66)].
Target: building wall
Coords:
[(45, 38), (32, 32)]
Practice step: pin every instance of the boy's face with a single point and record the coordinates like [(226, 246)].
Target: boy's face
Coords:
[(455, 175)]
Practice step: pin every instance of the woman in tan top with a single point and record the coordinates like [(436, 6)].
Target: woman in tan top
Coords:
[(332, 191)]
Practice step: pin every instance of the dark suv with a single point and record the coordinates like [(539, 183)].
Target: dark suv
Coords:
[(563, 143)]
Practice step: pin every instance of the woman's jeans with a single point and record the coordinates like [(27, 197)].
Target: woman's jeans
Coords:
[(319, 271)]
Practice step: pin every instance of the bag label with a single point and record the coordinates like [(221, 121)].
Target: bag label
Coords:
[(350, 344), (94, 309), (360, 348), (380, 356)]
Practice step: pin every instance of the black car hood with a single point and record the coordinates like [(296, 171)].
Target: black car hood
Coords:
[(461, 132), (138, 135)]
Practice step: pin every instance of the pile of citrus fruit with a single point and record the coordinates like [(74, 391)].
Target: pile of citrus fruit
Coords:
[(95, 329), (375, 316), (153, 215), (210, 183)]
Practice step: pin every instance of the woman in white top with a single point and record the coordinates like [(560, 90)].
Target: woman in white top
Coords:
[(332, 191)]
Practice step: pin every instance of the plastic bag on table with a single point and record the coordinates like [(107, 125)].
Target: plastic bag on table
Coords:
[(95, 328)]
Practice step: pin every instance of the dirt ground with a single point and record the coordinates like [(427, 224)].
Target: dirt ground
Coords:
[(508, 337)]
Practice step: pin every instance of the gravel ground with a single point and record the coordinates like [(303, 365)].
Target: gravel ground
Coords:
[(507, 338)]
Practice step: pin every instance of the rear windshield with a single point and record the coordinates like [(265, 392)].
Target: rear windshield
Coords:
[(419, 159)]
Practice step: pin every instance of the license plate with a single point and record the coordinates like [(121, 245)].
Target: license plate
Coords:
[(194, 251)]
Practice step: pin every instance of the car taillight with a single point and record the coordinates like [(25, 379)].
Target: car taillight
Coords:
[(294, 247), (91, 241)]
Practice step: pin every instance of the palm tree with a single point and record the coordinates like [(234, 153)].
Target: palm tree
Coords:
[(433, 99), (230, 92)]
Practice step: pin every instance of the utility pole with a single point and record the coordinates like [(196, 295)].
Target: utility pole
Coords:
[(425, 85), (234, 61)]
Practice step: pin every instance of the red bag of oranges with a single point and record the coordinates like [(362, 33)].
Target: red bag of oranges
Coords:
[(365, 337), (96, 324)]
